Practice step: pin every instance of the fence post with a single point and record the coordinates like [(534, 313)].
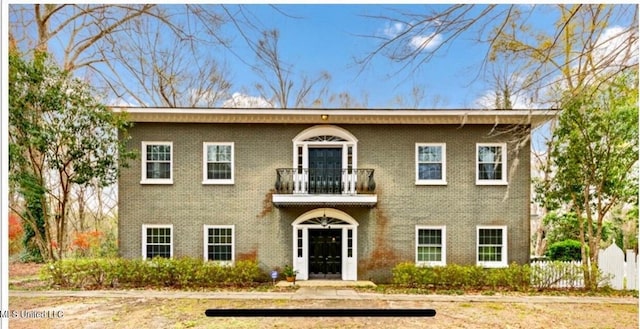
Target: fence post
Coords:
[(632, 270), (611, 262)]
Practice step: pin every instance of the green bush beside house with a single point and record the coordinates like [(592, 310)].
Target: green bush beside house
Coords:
[(566, 250), (157, 273)]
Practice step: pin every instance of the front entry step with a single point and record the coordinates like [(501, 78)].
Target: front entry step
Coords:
[(327, 283)]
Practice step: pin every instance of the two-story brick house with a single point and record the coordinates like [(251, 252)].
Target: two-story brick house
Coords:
[(342, 194)]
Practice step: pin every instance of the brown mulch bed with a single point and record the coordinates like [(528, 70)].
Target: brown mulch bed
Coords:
[(17, 269)]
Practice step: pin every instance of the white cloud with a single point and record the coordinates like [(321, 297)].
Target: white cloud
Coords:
[(119, 102), (392, 30), (518, 101), (616, 46), (426, 42), (416, 41), (239, 100), (200, 97)]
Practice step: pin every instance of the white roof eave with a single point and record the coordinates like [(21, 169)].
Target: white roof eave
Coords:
[(336, 116)]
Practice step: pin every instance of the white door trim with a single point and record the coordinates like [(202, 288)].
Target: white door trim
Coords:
[(301, 253), (302, 142)]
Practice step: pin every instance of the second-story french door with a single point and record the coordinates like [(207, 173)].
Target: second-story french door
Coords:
[(325, 170)]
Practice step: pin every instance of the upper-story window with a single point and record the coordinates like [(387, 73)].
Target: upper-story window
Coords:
[(218, 163), (491, 163), (431, 164), (157, 163)]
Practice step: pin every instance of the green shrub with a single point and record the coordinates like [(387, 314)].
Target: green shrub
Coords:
[(566, 250), (513, 278), (158, 272), (455, 277), (405, 274)]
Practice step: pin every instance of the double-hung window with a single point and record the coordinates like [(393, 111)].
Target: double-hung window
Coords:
[(157, 241), (219, 243), (218, 163), (431, 246), (157, 163), (491, 164), (492, 246), (431, 164)]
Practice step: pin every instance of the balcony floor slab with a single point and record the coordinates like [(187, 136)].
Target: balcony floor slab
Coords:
[(289, 200)]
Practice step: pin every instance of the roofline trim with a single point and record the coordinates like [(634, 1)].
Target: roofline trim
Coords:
[(335, 116)]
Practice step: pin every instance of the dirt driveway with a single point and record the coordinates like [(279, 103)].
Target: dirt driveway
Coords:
[(140, 312)]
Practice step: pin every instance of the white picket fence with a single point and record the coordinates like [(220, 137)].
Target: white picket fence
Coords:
[(550, 274), (611, 261)]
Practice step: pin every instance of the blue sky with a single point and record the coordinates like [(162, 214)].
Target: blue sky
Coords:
[(333, 37)]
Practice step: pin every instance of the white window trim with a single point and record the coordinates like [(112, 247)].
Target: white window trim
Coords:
[(304, 141), (502, 181), (443, 180), (146, 180), (504, 262), (206, 244), (300, 141), (443, 262), (205, 180), (144, 238)]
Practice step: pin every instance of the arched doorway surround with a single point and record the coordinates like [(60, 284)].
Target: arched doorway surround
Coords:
[(323, 157), (325, 241)]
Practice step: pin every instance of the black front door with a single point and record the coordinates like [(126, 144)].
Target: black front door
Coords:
[(325, 251), (325, 170)]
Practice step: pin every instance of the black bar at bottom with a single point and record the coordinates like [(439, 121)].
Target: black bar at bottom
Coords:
[(267, 312)]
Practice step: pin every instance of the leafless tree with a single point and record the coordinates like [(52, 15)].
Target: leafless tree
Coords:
[(583, 47), (413, 100), (504, 87), (281, 87), (542, 180), (167, 51), (169, 72), (92, 206), (347, 100)]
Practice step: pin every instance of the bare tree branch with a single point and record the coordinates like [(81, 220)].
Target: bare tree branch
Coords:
[(277, 75), (101, 40), (556, 59)]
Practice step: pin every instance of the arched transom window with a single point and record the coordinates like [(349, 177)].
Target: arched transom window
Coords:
[(325, 143)]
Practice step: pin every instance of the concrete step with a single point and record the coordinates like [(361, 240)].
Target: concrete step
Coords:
[(327, 283)]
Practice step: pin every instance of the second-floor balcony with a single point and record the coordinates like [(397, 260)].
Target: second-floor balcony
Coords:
[(324, 186)]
